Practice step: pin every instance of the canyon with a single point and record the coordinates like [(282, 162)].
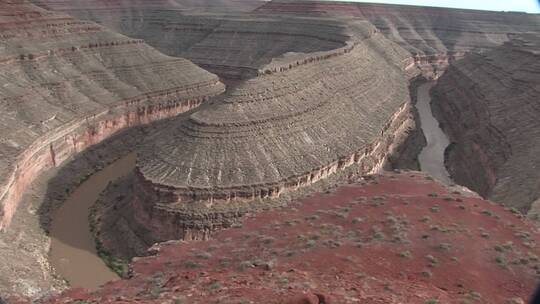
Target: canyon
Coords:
[(243, 111), (431, 158), (65, 88), (492, 121)]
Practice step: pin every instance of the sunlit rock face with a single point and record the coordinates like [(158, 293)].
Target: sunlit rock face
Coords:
[(67, 84), (434, 36), (232, 45), (489, 105), (304, 118)]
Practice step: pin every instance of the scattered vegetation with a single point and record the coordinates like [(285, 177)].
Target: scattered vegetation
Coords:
[(116, 264), (405, 254), (444, 246), (433, 261)]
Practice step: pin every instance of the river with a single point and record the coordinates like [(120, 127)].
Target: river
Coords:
[(432, 156), (73, 252)]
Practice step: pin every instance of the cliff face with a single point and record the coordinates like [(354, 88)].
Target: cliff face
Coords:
[(433, 35), (233, 46), (306, 117), (105, 6), (68, 84), (387, 239), (488, 105)]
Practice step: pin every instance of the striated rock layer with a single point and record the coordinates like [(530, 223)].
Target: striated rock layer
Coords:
[(306, 117), (68, 84), (233, 46), (105, 6), (489, 106), (433, 35)]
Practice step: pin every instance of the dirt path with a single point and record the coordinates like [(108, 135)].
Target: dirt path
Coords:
[(432, 156), (73, 253)]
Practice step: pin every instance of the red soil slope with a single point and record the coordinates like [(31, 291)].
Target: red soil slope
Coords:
[(396, 238)]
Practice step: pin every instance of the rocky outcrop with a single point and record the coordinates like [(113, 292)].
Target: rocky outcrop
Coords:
[(135, 6), (288, 128), (488, 105), (68, 84), (433, 35), (232, 46)]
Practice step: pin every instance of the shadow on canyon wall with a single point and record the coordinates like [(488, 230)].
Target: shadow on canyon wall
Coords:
[(84, 164)]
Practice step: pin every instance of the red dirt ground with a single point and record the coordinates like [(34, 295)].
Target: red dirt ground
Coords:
[(395, 238)]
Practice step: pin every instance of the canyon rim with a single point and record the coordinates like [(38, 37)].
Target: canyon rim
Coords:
[(275, 151)]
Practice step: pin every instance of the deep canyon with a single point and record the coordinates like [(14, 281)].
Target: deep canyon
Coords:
[(233, 111)]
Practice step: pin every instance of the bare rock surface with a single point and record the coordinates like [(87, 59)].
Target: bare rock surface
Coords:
[(304, 118), (232, 45), (68, 84), (217, 6), (433, 35), (315, 90), (489, 106)]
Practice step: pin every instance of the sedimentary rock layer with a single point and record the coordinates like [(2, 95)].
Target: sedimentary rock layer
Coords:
[(304, 118), (214, 6), (432, 35), (233, 46), (489, 106), (68, 84)]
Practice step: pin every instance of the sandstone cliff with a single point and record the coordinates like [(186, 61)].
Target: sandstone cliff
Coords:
[(433, 35), (304, 118), (489, 106), (231, 45), (68, 84)]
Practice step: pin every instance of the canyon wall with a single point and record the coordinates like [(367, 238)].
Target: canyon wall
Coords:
[(303, 119), (232, 46), (105, 6), (489, 106), (68, 84), (434, 36)]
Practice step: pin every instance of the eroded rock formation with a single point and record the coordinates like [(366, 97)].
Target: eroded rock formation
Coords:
[(68, 84), (233, 46), (489, 106), (305, 117), (433, 35)]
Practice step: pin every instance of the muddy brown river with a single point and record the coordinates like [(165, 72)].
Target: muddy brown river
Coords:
[(73, 251), (432, 156)]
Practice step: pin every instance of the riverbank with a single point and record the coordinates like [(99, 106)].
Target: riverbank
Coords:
[(73, 251), (25, 246)]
